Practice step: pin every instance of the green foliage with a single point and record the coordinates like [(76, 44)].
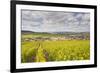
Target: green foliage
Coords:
[(68, 50), (44, 51)]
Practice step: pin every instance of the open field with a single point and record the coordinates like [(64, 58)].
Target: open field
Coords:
[(54, 47)]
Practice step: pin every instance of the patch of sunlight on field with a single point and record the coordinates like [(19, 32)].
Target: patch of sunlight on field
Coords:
[(44, 51)]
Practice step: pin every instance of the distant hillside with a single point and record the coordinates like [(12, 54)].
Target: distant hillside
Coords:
[(68, 32), (26, 32), (31, 32)]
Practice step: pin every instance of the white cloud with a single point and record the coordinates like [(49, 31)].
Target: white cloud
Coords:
[(50, 21)]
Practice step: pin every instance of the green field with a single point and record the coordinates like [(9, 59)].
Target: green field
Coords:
[(51, 50)]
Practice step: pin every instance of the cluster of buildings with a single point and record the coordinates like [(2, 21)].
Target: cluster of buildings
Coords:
[(69, 37)]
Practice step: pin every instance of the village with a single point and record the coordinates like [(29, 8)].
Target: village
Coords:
[(69, 37)]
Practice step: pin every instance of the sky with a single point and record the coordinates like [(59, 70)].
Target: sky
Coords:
[(55, 21)]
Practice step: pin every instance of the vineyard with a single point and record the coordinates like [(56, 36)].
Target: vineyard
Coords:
[(51, 50)]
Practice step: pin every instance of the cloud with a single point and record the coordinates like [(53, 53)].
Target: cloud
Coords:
[(53, 21)]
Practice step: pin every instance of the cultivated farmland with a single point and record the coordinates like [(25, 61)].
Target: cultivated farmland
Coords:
[(47, 47)]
